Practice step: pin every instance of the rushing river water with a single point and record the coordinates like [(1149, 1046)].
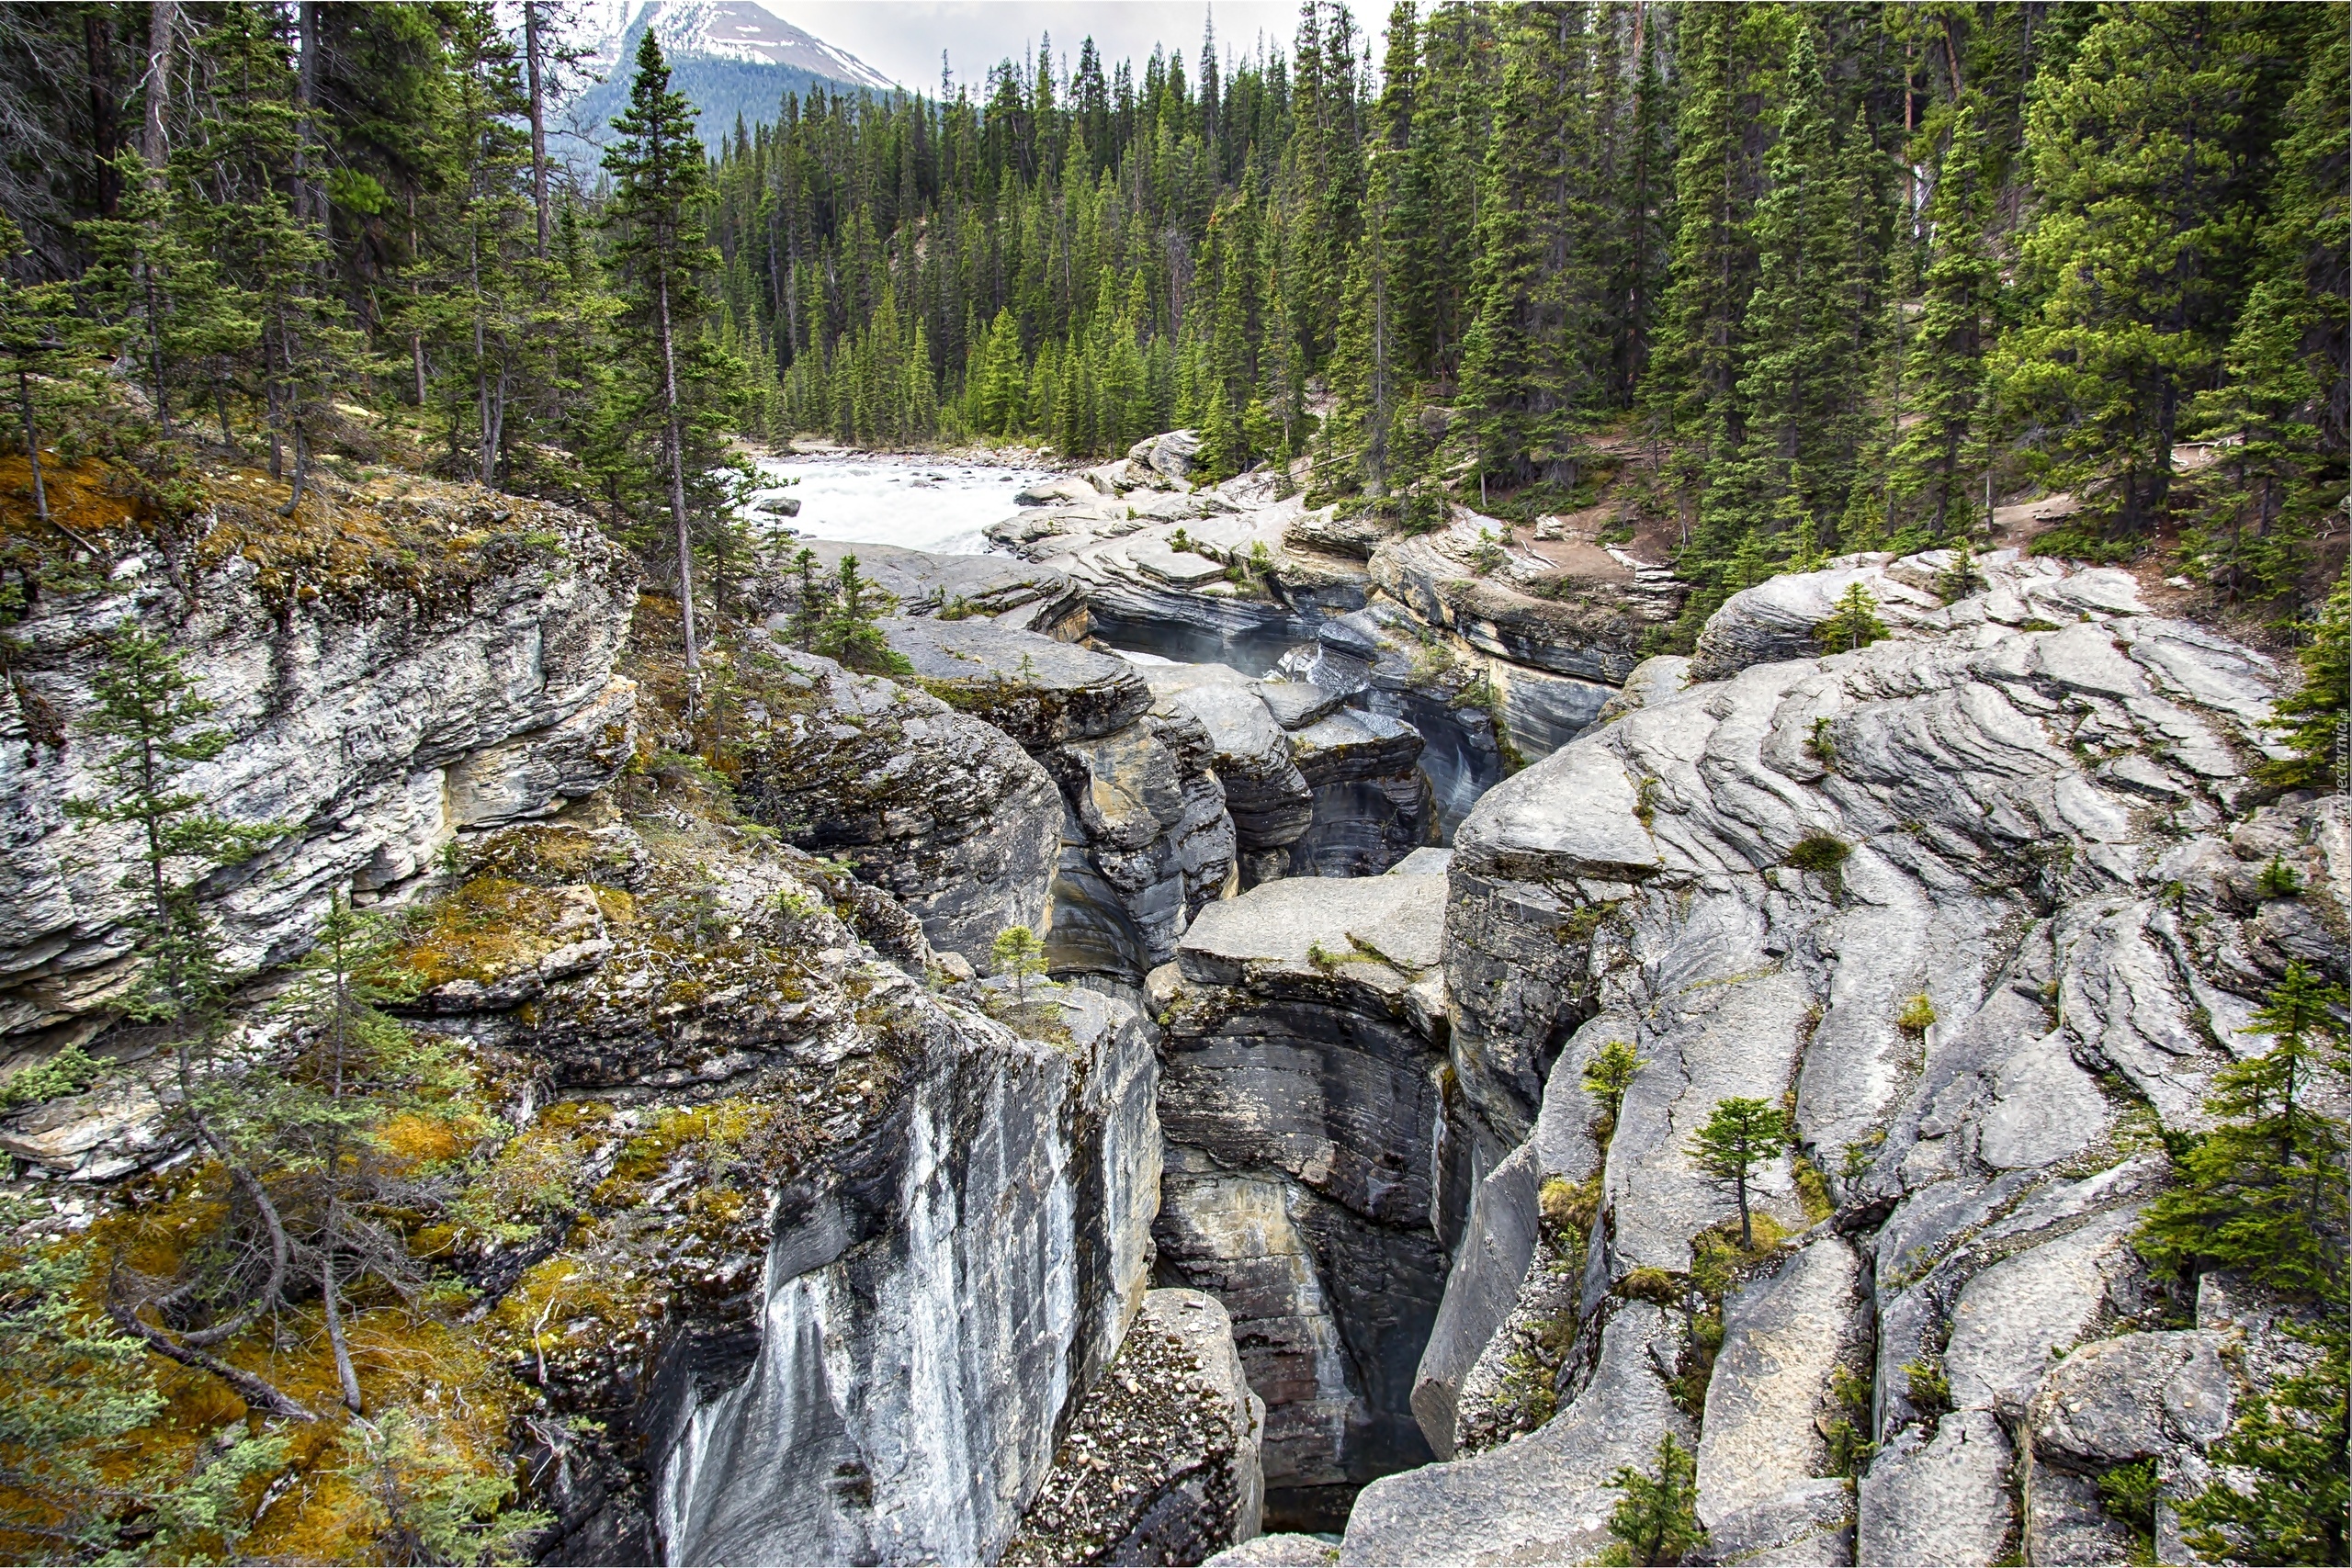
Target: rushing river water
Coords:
[(914, 501)]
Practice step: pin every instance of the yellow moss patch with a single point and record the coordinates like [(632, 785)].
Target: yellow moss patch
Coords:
[(415, 1139), (487, 929), (90, 496)]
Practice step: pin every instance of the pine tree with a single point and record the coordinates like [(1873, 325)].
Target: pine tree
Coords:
[(1801, 380), (1739, 1136), (2265, 1191), (660, 186), (1937, 459), (2147, 187), (148, 710), (2298, 1507), (1531, 361), (2313, 715), (1656, 1520)]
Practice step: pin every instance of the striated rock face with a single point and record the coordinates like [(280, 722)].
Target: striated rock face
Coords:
[(945, 813), (849, 1326), (1159, 561), (1464, 579), (1161, 1461), (1315, 789), (1299, 1100), (929, 1313), (1974, 902), (1373, 805), (373, 709), (1144, 837)]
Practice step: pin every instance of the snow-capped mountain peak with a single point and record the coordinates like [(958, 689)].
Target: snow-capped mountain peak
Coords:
[(742, 30)]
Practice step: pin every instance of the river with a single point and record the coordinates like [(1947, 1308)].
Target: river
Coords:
[(911, 500)]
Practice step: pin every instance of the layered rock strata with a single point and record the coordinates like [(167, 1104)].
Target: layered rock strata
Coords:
[(1200, 575), (1315, 789), (945, 813), (374, 706), (849, 1326), (1975, 901), (1017, 594), (1146, 839), (1161, 1461), (1299, 1098)]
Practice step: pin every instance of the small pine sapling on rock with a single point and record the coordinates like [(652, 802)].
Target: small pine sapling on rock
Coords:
[(1853, 622), (1018, 953), (1656, 1520), (1740, 1136), (1609, 1075)]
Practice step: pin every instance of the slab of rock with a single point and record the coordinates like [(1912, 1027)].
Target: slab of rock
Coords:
[(1372, 807), (2115, 1401), (1017, 594), (1784, 1337), (1269, 797), (1278, 1552), (2013, 1319), (371, 713), (1943, 1499), (1159, 1464), (1540, 1498), (1040, 692), (1296, 703)]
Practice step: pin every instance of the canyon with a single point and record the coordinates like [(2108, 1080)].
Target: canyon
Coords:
[(1278, 1219)]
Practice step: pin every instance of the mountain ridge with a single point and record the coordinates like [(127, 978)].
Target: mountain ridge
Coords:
[(733, 59)]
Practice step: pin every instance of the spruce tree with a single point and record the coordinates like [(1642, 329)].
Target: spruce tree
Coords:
[(1531, 364), (1801, 380), (2145, 161), (1940, 455), (150, 716), (656, 216), (1739, 1136)]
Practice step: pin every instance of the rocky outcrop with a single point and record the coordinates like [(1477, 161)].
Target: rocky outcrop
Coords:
[(1960, 899), (1161, 1462), (943, 812), (1299, 1098), (1566, 606), (1016, 594), (1204, 576), (851, 1252), (444, 661), (1146, 840), (1315, 789), (1542, 1498)]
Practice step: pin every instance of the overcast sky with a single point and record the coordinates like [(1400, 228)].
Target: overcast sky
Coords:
[(902, 39)]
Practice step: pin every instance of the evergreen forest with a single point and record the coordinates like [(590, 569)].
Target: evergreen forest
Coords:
[(1849, 272)]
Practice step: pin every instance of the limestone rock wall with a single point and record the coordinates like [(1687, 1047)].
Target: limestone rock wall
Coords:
[(371, 713), (1144, 837), (942, 811), (1975, 902), (1300, 1100), (874, 1359), (928, 1318)]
